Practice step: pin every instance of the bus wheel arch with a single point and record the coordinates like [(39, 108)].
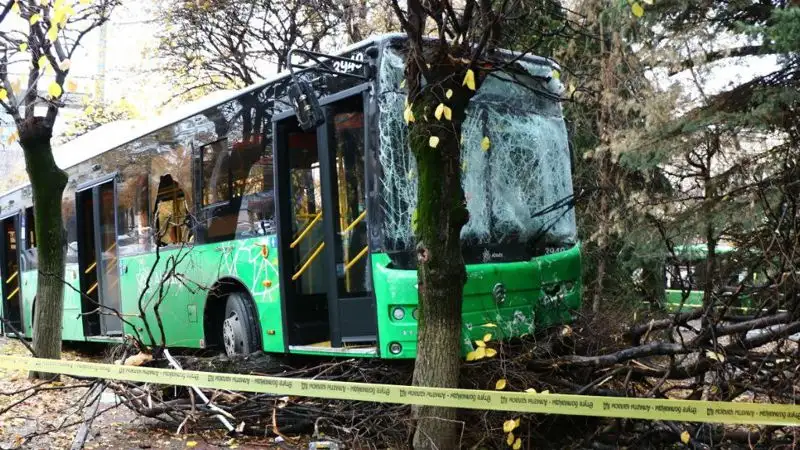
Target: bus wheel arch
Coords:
[(230, 314)]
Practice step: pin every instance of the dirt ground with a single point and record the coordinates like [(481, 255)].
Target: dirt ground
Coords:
[(50, 417)]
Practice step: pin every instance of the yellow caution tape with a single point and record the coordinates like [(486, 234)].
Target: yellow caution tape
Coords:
[(577, 405)]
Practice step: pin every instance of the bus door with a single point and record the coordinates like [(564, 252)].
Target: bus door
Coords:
[(325, 284), (97, 258), (9, 272)]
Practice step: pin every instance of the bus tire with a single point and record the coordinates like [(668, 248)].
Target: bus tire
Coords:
[(239, 329)]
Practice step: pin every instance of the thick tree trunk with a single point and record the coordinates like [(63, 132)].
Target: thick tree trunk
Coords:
[(48, 183), (441, 214)]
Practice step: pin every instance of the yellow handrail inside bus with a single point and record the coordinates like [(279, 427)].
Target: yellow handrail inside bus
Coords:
[(12, 294), (91, 266), (356, 259), (308, 261), (11, 278), (355, 222), (306, 230), (91, 289)]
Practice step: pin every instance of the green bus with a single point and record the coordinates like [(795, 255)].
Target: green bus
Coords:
[(278, 218), (684, 277)]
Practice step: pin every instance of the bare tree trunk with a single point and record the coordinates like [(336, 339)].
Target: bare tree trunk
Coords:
[(441, 214), (48, 183)]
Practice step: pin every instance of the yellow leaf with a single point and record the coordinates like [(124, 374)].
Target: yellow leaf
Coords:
[(35, 18), (487, 337), (23, 46), (52, 33), (15, 8), (402, 84), (54, 90), (433, 141), (44, 2), (469, 80), (637, 9), (530, 390), (471, 356), (517, 444), (508, 426), (191, 444), (72, 86), (448, 113), (685, 437), (449, 93), (480, 343), (3, 95), (510, 438), (516, 422), (12, 138), (715, 356), (485, 143), (89, 110), (42, 62), (556, 74), (501, 384), (489, 325), (480, 353), (439, 111), (490, 352), (408, 115)]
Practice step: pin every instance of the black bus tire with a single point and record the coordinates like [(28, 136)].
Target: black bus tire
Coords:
[(239, 328)]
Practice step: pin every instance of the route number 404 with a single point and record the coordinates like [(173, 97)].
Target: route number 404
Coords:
[(348, 66)]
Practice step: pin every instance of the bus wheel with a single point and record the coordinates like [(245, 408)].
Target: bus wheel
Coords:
[(239, 330)]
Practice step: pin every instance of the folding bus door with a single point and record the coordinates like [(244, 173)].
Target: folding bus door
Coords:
[(9, 273), (97, 256)]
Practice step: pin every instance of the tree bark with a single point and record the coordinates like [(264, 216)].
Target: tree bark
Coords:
[(47, 182), (441, 214)]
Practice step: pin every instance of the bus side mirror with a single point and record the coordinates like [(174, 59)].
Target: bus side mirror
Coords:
[(306, 106)]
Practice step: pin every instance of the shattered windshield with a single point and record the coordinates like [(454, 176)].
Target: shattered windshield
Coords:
[(517, 191)]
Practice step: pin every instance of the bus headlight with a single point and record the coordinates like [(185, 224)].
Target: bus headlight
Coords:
[(398, 313), (395, 348)]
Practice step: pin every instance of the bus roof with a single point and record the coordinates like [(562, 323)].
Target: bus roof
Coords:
[(113, 135), (699, 251)]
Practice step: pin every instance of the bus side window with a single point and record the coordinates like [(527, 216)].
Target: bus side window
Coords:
[(253, 170), (237, 184), (171, 214), (133, 215)]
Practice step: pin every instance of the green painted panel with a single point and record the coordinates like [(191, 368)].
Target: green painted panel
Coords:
[(181, 302), (540, 292), (694, 299), (72, 323)]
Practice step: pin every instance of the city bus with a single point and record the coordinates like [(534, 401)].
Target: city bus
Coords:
[(278, 218), (685, 280)]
